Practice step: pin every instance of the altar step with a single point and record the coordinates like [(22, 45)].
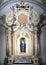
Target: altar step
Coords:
[(28, 61), (22, 64)]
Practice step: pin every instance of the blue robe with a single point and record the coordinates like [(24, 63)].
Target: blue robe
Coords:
[(22, 47)]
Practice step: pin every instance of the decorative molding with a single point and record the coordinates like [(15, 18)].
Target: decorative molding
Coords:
[(35, 18)]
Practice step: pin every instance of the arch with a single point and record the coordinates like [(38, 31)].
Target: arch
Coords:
[(30, 1), (36, 3)]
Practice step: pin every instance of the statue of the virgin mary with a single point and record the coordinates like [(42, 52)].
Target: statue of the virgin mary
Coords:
[(22, 45)]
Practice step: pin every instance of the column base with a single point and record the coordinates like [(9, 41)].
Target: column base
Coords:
[(35, 61), (10, 60)]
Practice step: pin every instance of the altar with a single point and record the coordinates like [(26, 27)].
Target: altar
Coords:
[(22, 38)]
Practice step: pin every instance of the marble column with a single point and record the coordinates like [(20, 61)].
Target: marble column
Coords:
[(12, 41), (35, 21), (36, 42), (10, 46), (9, 41), (35, 59)]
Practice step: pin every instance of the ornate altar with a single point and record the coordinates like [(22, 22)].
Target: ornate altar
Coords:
[(22, 38)]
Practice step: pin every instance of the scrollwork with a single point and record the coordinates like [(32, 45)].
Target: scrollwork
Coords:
[(35, 18), (9, 18)]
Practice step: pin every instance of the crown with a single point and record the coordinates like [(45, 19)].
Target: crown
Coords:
[(21, 5)]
